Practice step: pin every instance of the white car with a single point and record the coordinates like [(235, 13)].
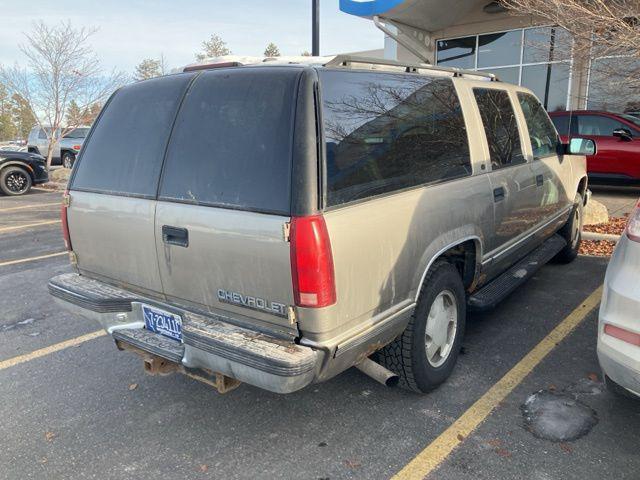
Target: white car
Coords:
[(619, 321)]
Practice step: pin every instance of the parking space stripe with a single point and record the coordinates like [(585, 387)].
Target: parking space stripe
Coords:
[(28, 225), (12, 362), (31, 259), (34, 205), (437, 451)]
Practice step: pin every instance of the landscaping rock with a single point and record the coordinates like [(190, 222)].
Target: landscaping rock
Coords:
[(595, 213)]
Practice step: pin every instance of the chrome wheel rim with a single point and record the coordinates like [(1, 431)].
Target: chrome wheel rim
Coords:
[(440, 332), (575, 227), (17, 182), (66, 162)]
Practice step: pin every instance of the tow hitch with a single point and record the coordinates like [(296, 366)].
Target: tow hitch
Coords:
[(156, 365)]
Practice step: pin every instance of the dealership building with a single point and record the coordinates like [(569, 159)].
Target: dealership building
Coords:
[(481, 35)]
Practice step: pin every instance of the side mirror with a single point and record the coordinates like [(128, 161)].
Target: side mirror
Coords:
[(623, 134), (581, 146)]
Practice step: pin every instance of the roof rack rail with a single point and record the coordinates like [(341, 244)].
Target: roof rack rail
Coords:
[(350, 60)]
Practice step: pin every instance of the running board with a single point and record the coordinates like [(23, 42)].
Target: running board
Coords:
[(500, 288)]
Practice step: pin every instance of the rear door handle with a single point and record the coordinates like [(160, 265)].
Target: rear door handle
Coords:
[(175, 236), (539, 180), (498, 194)]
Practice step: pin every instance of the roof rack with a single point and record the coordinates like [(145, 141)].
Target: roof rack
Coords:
[(352, 61)]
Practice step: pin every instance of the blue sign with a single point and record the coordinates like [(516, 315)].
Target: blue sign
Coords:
[(368, 8)]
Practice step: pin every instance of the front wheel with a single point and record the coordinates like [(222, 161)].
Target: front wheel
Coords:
[(425, 354), (572, 233), (15, 181), (68, 159)]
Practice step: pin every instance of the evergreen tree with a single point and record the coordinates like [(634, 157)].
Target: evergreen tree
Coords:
[(148, 68), (214, 47), (272, 50)]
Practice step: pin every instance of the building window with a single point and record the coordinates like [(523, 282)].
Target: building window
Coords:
[(613, 85), (538, 58)]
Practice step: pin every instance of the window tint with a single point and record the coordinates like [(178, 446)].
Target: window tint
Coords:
[(500, 127), (77, 133), (386, 132), (124, 154), (458, 52), (231, 144), (598, 125), (542, 134), (42, 135)]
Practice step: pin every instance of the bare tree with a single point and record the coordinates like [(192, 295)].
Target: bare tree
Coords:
[(272, 50), (214, 47), (60, 67), (599, 28)]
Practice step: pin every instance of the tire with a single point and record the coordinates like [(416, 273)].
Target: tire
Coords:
[(572, 233), (15, 181), (409, 356), (68, 159)]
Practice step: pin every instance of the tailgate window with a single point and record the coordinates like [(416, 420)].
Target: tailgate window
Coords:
[(125, 150), (231, 145)]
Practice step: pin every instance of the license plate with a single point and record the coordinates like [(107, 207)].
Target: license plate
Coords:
[(162, 322)]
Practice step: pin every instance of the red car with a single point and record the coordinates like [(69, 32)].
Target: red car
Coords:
[(617, 137)]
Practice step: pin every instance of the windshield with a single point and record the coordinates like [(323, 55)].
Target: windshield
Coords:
[(632, 119)]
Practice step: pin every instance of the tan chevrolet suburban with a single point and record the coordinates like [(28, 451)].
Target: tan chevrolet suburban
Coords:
[(276, 224)]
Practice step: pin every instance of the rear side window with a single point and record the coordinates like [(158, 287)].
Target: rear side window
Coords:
[(125, 151), (231, 145), (387, 132), (542, 133), (500, 127)]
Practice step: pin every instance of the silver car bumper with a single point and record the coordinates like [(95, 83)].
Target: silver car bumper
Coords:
[(620, 307), (210, 342)]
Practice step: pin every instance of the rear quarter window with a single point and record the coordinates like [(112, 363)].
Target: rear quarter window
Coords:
[(125, 150), (389, 132), (231, 145)]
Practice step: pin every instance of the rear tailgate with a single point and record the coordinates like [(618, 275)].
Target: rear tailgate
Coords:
[(113, 189), (225, 196)]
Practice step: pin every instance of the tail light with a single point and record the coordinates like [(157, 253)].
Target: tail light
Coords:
[(76, 147), (312, 262), (622, 334), (633, 227), (63, 218)]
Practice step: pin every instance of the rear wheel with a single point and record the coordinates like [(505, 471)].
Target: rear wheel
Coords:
[(14, 181), (68, 159), (426, 352), (572, 233)]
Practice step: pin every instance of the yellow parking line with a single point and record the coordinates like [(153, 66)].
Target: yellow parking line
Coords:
[(34, 205), (437, 451), (28, 225), (31, 259), (12, 362)]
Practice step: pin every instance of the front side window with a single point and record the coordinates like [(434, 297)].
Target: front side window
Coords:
[(500, 127), (597, 125), (124, 154), (542, 134), (77, 133), (388, 132), (231, 144)]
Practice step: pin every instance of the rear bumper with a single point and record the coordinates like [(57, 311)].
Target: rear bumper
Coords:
[(210, 342), (620, 307)]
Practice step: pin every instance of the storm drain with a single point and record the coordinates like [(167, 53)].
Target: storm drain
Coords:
[(557, 417)]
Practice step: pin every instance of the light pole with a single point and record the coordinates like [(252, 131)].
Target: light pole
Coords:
[(315, 28)]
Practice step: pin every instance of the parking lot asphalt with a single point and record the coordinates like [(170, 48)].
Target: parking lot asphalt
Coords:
[(89, 411)]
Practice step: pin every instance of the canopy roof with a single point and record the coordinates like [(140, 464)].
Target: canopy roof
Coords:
[(428, 15)]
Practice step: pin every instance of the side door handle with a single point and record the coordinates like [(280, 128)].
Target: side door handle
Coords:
[(539, 180), (498, 194), (175, 236)]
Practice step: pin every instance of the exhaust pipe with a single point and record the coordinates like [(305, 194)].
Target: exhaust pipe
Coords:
[(378, 373)]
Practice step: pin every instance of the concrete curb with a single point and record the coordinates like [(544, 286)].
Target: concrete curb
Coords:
[(600, 236)]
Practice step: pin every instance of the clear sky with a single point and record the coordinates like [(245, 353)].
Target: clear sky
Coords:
[(130, 30)]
